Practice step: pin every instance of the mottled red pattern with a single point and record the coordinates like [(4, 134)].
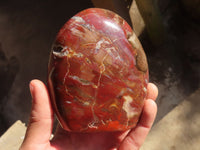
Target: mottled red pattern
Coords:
[(94, 81)]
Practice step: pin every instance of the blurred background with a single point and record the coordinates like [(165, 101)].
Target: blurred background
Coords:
[(168, 30)]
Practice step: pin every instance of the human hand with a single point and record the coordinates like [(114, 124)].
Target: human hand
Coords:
[(41, 124)]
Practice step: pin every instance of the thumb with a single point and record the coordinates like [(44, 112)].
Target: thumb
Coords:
[(41, 117)]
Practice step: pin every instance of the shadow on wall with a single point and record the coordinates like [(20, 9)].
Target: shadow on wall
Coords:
[(8, 70), (174, 66)]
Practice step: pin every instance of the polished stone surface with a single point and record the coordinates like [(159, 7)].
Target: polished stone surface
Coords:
[(98, 73)]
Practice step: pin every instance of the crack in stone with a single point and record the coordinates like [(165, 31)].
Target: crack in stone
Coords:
[(81, 80), (102, 69), (66, 90)]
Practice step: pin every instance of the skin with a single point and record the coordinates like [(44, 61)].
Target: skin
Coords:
[(41, 124)]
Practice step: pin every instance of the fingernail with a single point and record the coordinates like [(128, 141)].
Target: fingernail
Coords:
[(31, 89)]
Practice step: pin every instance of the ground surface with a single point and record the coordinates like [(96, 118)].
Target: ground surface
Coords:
[(27, 29)]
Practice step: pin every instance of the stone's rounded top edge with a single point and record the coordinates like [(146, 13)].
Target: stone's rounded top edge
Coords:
[(96, 20), (95, 9)]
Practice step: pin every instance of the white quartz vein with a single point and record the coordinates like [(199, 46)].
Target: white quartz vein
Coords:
[(130, 111)]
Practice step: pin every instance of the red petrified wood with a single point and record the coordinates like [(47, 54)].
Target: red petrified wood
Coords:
[(98, 73)]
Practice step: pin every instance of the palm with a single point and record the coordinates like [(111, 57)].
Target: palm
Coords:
[(41, 124)]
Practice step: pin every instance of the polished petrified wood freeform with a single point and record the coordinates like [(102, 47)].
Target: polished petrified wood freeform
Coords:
[(98, 73)]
